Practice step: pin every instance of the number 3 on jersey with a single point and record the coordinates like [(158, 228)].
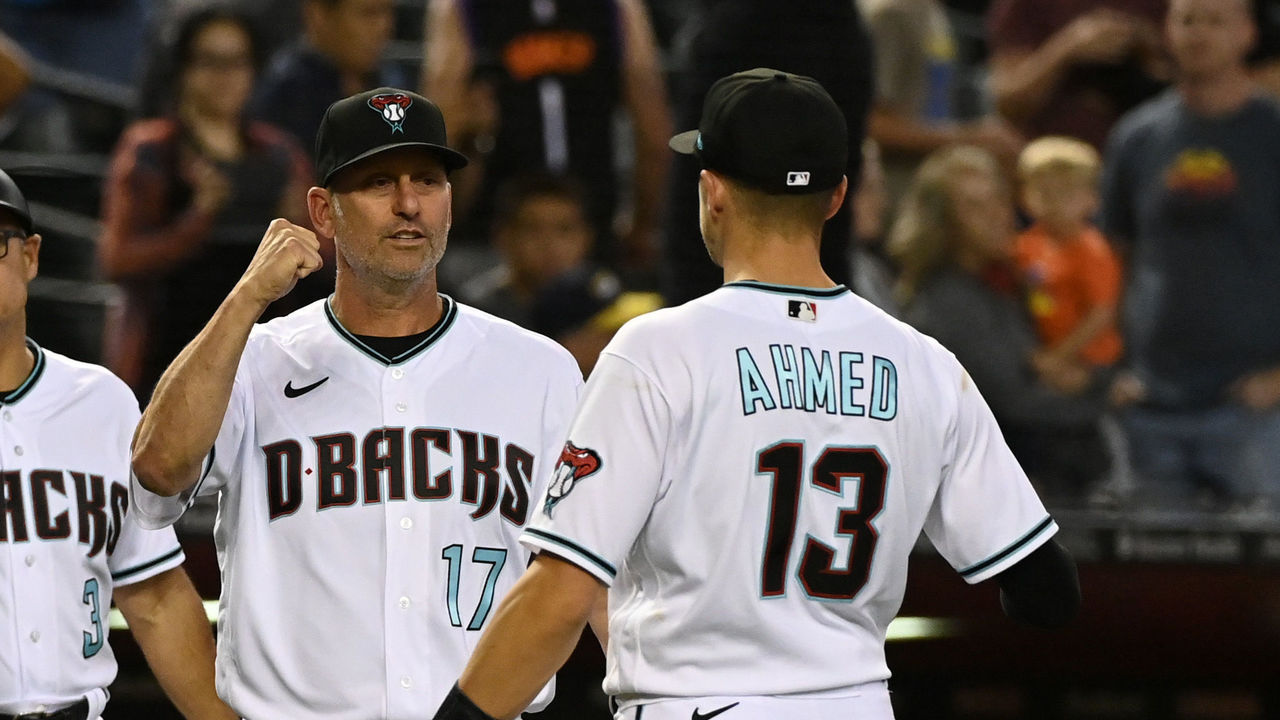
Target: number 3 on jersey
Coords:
[(93, 643), (820, 580)]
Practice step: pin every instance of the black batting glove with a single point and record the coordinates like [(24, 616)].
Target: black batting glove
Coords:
[(457, 706)]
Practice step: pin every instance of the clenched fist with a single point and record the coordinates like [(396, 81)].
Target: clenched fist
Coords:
[(286, 254)]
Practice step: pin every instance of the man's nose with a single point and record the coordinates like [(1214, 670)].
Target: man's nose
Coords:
[(406, 200)]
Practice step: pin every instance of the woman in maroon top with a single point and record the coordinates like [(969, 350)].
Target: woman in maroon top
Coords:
[(187, 197)]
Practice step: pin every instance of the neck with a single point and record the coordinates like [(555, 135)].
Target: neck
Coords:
[(16, 359), (215, 134), (776, 259), (390, 310), (1217, 95)]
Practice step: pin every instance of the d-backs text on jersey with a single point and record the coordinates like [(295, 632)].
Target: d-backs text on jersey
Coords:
[(347, 470), (804, 379), (99, 508)]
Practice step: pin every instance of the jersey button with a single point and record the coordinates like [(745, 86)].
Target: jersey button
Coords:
[(17, 450), (31, 560), (406, 523), (400, 407), (396, 373), (404, 603), (8, 415), (35, 636), (405, 682)]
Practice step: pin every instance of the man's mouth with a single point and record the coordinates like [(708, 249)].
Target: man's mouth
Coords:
[(406, 235)]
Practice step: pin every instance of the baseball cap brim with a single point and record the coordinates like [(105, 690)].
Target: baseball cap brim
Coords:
[(685, 143), (451, 158)]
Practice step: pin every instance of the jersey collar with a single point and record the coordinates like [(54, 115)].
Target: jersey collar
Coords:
[(449, 312), (789, 289), (36, 371)]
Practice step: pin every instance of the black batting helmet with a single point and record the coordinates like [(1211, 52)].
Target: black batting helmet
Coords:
[(11, 199)]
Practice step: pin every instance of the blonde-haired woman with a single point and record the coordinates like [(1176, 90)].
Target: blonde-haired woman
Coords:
[(953, 242)]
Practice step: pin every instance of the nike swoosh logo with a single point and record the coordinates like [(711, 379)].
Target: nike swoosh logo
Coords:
[(707, 716), (292, 392)]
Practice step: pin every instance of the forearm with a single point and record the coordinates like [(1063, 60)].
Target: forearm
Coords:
[(599, 620), (896, 131), (646, 99), (447, 63), (1023, 82), (650, 182), (535, 630), (129, 253), (192, 395), (168, 621)]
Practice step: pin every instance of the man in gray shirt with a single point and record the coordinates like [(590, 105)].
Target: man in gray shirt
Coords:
[(1191, 194)]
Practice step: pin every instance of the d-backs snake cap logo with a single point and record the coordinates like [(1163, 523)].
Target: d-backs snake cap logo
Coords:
[(392, 107), (575, 464)]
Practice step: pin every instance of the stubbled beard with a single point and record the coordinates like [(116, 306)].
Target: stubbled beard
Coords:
[(368, 265)]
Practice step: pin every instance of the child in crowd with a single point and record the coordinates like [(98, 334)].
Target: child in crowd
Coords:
[(1070, 273)]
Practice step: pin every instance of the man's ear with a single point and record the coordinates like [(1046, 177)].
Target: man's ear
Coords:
[(837, 197), (714, 191), (31, 255), (320, 205)]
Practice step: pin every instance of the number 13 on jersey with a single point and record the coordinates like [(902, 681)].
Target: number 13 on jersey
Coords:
[(831, 473)]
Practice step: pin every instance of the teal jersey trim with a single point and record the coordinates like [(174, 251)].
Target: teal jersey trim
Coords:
[(577, 549), (129, 572), (448, 314), (36, 371), (789, 289), (1011, 549)]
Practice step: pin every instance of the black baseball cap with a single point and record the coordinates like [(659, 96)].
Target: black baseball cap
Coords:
[(375, 121), (775, 131), (11, 199)]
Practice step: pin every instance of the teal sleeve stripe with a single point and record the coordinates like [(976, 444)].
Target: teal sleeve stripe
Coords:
[(1015, 547), (128, 572), (577, 549)]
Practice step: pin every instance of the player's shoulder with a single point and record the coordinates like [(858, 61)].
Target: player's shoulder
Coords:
[(934, 371), (503, 336), (286, 329), (82, 379)]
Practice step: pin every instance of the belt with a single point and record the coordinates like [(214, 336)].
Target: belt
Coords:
[(76, 711)]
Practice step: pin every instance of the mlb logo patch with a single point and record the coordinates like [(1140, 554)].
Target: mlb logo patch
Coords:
[(802, 310), (797, 179)]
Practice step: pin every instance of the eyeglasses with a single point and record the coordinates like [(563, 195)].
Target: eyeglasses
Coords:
[(6, 236)]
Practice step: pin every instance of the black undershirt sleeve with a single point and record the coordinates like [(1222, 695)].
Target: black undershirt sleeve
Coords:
[(1042, 589)]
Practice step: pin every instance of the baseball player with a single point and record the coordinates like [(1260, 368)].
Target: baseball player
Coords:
[(749, 472), (375, 454), (67, 538)]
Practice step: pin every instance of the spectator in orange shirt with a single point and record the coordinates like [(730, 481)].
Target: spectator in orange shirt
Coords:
[(1070, 273)]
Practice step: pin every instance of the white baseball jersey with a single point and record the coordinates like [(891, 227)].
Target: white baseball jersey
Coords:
[(749, 473), (369, 507), (66, 538)]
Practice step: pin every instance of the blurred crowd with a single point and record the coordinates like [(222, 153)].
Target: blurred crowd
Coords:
[(1079, 198)]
